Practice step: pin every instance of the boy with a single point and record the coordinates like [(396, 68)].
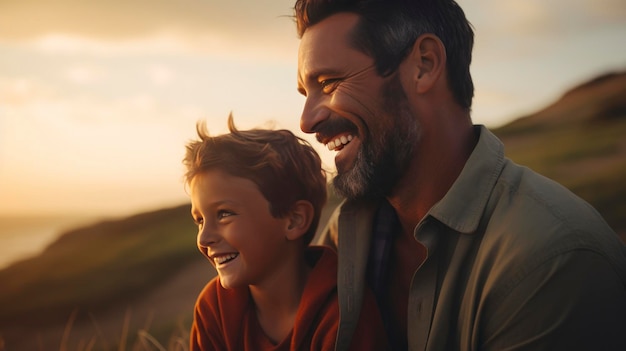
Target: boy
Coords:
[(257, 197)]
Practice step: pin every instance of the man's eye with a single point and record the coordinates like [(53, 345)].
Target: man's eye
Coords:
[(329, 85)]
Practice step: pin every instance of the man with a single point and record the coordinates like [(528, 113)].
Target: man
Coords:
[(465, 249)]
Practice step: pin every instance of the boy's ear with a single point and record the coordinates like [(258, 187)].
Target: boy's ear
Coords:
[(299, 219)]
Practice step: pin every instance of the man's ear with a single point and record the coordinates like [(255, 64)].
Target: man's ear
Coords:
[(299, 219), (427, 62)]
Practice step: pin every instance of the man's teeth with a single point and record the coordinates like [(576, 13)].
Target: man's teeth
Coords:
[(225, 258), (342, 140)]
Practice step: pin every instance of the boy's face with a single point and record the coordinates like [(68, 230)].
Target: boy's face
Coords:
[(236, 230)]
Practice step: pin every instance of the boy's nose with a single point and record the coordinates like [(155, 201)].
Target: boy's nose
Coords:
[(207, 238)]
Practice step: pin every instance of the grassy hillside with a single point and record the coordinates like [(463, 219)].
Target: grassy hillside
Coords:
[(91, 270), (91, 266)]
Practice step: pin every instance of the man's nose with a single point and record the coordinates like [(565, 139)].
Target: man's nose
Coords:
[(313, 113)]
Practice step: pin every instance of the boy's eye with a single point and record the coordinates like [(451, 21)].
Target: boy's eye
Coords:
[(221, 214)]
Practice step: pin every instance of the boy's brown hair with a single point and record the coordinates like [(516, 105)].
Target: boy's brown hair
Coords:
[(284, 167)]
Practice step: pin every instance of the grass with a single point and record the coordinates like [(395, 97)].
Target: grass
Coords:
[(140, 340)]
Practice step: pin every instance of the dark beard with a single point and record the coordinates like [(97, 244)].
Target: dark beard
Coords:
[(381, 161)]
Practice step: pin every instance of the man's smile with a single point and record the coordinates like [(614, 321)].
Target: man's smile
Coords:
[(339, 142)]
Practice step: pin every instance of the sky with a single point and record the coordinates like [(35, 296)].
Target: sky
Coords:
[(98, 98)]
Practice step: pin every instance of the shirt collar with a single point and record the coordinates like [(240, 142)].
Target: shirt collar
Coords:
[(462, 207)]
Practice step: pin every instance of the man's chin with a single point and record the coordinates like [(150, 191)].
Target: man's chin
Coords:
[(353, 186)]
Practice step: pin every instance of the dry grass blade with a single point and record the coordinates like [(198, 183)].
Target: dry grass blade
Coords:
[(148, 341), (66, 332)]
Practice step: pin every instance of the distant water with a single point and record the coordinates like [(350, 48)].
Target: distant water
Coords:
[(26, 236)]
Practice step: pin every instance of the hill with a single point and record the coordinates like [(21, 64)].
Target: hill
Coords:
[(121, 283), (579, 142), (97, 274)]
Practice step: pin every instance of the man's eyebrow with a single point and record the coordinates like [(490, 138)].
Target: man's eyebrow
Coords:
[(307, 77), (303, 79), (314, 75), (300, 85), (301, 89)]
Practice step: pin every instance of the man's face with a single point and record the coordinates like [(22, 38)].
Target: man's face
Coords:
[(353, 110)]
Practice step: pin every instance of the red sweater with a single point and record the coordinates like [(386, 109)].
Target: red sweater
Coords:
[(225, 319)]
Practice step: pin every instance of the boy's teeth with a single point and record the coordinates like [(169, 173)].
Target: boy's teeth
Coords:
[(342, 140), (224, 259)]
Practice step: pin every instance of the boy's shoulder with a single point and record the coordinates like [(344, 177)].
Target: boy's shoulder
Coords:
[(215, 299)]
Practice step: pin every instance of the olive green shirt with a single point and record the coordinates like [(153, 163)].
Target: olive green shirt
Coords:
[(515, 262)]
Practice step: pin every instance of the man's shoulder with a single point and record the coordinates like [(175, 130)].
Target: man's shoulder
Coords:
[(529, 215), (537, 202)]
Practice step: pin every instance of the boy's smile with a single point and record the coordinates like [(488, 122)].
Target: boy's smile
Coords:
[(222, 259)]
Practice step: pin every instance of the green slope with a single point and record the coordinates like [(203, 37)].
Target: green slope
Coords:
[(97, 266)]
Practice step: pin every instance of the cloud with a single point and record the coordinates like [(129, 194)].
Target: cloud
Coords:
[(22, 91), (71, 44), (85, 74), (211, 23), (121, 19), (499, 22), (160, 74)]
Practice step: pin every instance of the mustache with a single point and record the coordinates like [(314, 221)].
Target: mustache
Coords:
[(332, 127)]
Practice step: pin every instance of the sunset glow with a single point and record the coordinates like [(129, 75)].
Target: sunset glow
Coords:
[(98, 99)]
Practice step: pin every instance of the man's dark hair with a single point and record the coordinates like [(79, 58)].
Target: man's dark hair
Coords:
[(387, 30)]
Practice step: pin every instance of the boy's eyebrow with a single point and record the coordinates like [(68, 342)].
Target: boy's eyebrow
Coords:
[(224, 202), (216, 204), (194, 213)]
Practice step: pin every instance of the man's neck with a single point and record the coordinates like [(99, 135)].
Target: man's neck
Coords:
[(430, 175)]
